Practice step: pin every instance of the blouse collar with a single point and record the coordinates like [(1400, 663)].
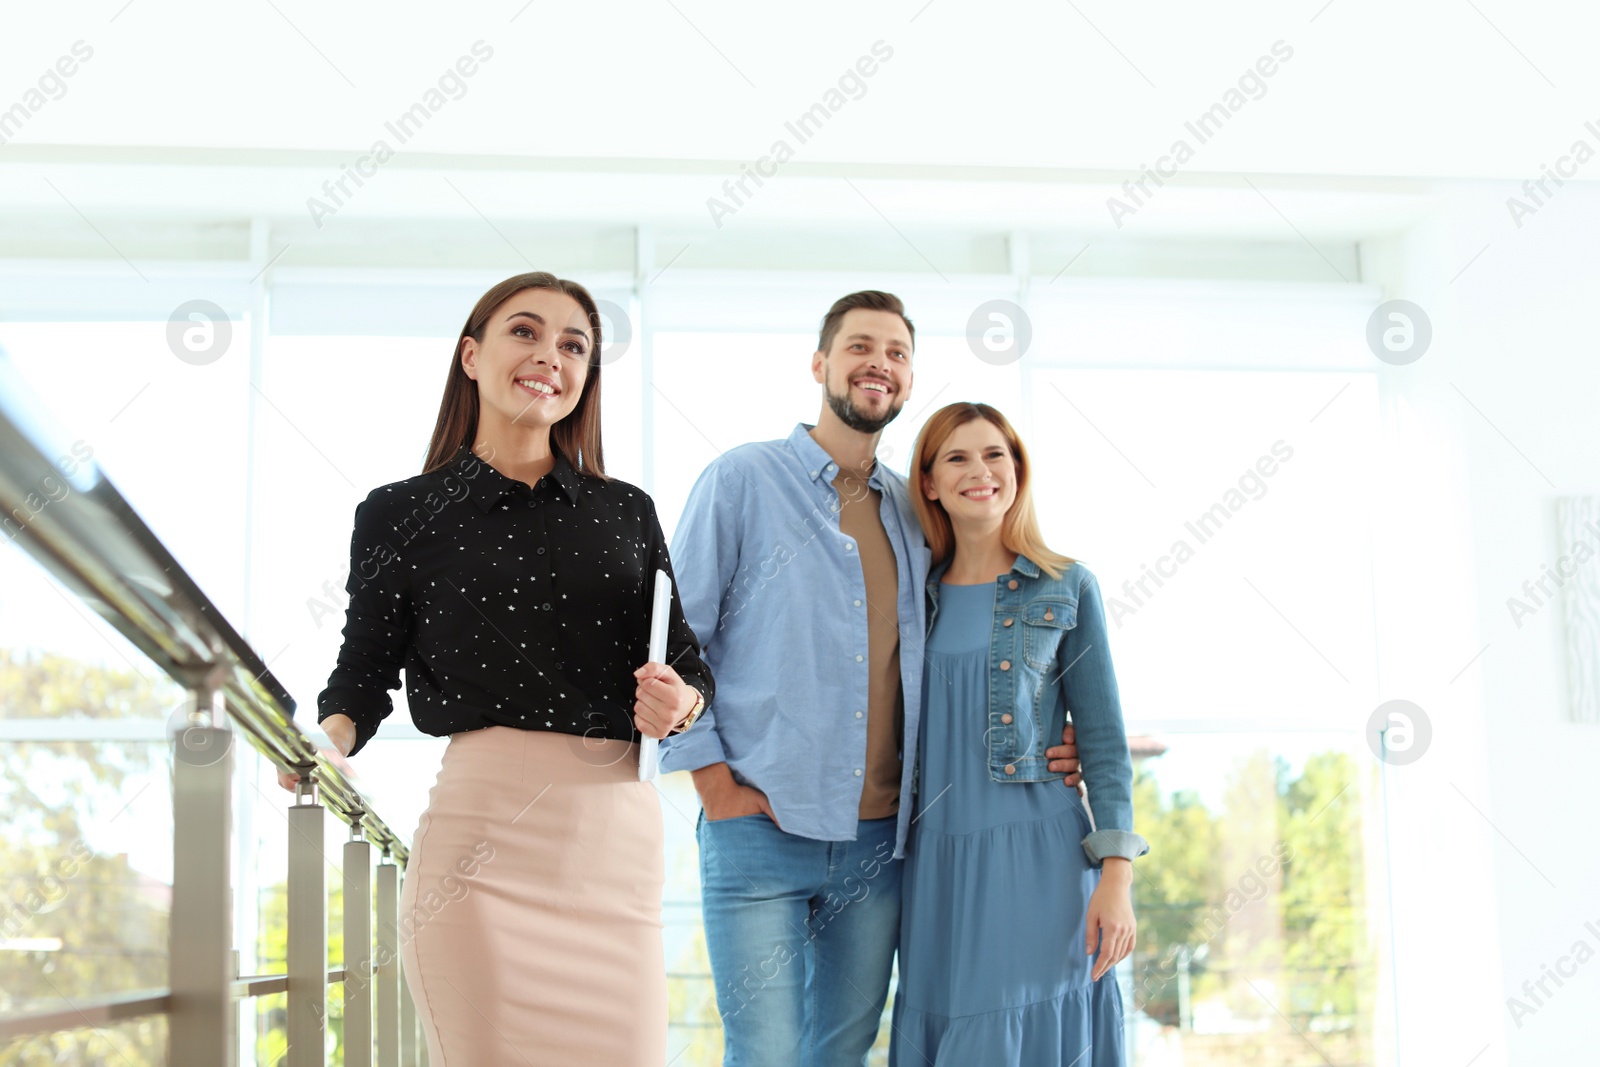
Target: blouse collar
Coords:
[(494, 485)]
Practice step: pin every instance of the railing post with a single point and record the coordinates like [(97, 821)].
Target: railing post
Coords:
[(200, 930), (410, 1034), (308, 928), (387, 969), (357, 950)]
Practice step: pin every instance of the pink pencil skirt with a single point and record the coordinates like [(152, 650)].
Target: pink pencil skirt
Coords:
[(530, 912)]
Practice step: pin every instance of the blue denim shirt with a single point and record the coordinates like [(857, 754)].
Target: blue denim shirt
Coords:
[(775, 593), (1049, 658)]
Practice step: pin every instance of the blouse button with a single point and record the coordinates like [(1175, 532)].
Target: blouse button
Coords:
[(1011, 768), (1006, 718), (1005, 665), (1012, 584), (1008, 622)]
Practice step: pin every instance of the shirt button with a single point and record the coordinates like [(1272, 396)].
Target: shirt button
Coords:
[(1005, 664), (545, 605), (1011, 768), (541, 552), (858, 714), (858, 772), (858, 603), (848, 547), (860, 658), (1012, 584), (1008, 622), (1006, 718)]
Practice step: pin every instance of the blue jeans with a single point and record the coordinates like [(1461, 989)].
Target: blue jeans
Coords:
[(801, 935)]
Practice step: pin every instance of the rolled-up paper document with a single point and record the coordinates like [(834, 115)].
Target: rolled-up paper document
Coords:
[(660, 615)]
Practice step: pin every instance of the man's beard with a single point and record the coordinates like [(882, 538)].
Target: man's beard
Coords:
[(845, 408)]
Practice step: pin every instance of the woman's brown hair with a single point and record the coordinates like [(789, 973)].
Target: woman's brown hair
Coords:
[(1019, 530), (576, 437)]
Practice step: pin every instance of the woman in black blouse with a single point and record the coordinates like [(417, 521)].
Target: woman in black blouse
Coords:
[(513, 581)]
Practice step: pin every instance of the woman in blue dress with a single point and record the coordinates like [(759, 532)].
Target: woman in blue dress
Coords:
[(1016, 898)]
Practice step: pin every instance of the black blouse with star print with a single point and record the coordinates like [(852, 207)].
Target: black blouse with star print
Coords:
[(508, 605)]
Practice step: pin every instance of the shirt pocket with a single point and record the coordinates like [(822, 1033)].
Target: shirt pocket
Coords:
[(1045, 623)]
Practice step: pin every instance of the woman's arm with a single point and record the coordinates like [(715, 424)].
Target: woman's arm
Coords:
[(377, 630), (1089, 687), (685, 669), (1089, 690)]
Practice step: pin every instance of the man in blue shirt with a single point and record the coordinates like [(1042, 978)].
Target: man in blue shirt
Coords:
[(801, 566)]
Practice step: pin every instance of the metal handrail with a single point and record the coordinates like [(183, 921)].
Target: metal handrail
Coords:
[(96, 544), (69, 516), (100, 1011), (113, 1008)]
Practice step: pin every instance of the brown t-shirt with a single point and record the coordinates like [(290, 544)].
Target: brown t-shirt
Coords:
[(859, 518)]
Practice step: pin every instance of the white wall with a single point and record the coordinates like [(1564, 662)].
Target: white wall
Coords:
[(1493, 861)]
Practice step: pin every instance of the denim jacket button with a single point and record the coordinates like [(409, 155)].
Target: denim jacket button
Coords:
[(1012, 584), (1006, 718), (1049, 616), (1008, 622), (1005, 665), (1011, 768)]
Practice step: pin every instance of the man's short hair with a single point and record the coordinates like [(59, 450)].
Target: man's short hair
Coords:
[(871, 300)]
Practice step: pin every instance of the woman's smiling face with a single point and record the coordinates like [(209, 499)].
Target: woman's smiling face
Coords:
[(533, 360), (974, 475)]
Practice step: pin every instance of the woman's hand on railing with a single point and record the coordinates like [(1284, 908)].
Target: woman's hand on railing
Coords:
[(341, 730)]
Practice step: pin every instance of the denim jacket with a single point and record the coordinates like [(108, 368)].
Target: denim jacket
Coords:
[(1049, 659)]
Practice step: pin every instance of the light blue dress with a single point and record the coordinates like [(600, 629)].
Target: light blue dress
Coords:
[(996, 888)]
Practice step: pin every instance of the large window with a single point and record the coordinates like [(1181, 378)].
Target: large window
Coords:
[(1225, 513), (86, 859)]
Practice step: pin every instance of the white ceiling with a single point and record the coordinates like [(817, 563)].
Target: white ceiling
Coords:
[(983, 136), (1430, 88)]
